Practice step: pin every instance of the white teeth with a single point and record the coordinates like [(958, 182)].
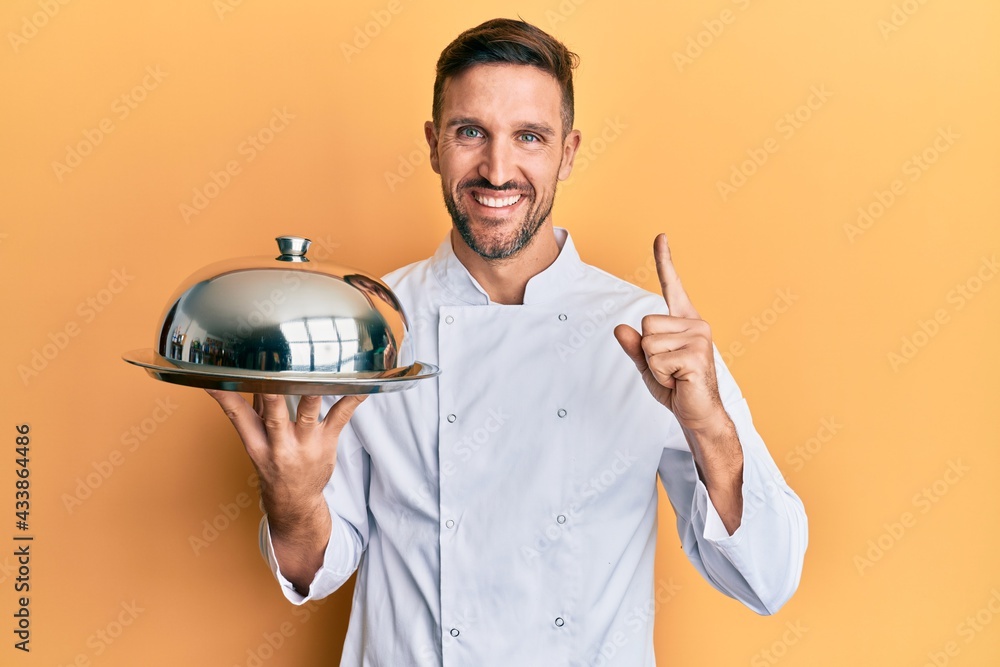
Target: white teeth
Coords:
[(493, 202)]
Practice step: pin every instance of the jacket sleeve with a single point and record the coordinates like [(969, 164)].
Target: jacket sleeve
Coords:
[(347, 497), (761, 563)]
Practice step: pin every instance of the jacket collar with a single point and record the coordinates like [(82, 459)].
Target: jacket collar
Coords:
[(544, 287)]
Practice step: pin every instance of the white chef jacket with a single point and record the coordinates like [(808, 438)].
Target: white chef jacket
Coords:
[(505, 513)]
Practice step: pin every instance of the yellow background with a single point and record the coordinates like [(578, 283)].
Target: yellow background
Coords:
[(350, 171)]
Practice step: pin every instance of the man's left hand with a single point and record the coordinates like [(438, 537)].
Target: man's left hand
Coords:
[(675, 356), (674, 353)]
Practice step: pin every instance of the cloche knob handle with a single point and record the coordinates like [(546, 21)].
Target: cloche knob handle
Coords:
[(293, 248)]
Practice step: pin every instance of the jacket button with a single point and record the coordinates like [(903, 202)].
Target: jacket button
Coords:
[(561, 412), (451, 419), (560, 622), (562, 317), (454, 632), (449, 319)]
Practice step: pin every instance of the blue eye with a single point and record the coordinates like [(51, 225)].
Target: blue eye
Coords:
[(529, 138), (469, 132)]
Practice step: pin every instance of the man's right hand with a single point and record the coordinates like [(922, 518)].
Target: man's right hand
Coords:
[(294, 461)]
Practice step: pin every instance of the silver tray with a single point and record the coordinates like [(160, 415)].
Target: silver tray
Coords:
[(280, 382)]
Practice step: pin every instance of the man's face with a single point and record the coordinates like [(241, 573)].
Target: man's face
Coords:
[(500, 151)]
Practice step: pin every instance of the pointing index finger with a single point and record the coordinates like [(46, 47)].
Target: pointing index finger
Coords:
[(677, 299)]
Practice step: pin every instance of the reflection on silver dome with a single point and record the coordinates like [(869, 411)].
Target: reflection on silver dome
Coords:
[(286, 325), (264, 316)]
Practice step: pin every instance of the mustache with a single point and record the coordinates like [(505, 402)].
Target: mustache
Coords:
[(483, 184)]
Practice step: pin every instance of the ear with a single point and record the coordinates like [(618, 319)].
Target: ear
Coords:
[(432, 141), (570, 145)]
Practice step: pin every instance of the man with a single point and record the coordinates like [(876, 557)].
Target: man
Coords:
[(505, 513)]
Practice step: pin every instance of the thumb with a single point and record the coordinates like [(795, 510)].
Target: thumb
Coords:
[(631, 342)]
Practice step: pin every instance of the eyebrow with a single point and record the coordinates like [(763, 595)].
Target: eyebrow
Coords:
[(539, 128)]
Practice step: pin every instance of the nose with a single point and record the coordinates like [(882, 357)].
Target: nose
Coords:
[(497, 165)]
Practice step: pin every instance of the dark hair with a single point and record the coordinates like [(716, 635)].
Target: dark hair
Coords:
[(508, 41)]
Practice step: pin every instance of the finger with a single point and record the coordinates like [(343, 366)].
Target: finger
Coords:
[(681, 364), (669, 367), (307, 414), (341, 412), (660, 343), (677, 299), (631, 342), (246, 421), (663, 343), (258, 405), (275, 414), (664, 324)]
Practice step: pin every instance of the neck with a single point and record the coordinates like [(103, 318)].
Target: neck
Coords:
[(505, 279)]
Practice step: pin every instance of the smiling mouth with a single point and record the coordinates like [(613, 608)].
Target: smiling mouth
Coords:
[(496, 202)]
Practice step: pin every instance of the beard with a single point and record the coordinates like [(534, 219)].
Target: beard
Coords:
[(494, 245)]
